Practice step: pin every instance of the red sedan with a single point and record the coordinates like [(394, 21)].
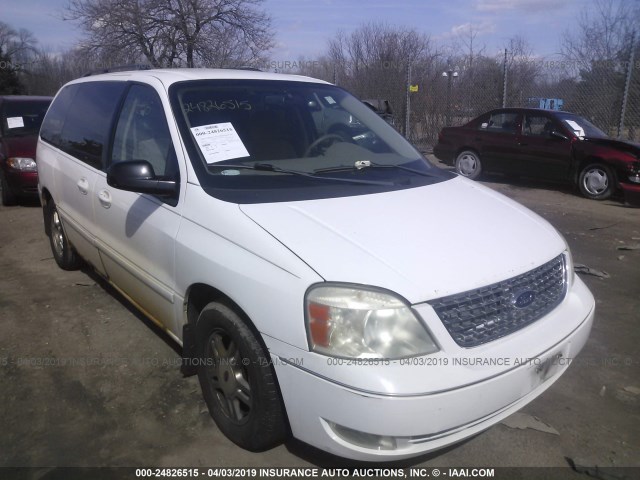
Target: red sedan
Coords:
[(545, 144)]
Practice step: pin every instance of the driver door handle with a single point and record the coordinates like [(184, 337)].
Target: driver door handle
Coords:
[(104, 197), (83, 185)]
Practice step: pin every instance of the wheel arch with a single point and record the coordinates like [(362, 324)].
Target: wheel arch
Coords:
[(46, 197), (198, 296), (463, 149), (590, 160)]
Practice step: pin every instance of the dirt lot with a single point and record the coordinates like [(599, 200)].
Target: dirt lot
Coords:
[(87, 381)]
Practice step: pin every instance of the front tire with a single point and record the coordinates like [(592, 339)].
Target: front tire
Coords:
[(238, 381), (63, 253), (468, 164), (596, 182)]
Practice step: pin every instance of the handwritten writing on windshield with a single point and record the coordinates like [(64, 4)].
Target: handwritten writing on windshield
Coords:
[(216, 105)]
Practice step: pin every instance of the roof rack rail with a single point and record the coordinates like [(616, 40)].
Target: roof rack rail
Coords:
[(119, 68), (246, 67)]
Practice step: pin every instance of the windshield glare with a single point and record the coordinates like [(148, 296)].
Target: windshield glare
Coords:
[(255, 141), (298, 126)]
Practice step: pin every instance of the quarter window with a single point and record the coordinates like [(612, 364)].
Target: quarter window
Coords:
[(504, 122), (54, 120)]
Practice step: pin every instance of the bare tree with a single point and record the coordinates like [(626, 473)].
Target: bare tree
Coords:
[(467, 43), (18, 45), (524, 71), (597, 54), (372, 57), (601, 34), (170, 33)]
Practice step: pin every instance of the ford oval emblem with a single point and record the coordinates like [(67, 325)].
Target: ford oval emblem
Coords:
[(524, 299)]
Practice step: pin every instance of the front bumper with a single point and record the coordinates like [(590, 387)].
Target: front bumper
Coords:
[(631, 193), (444, 154), (424, 421), (22, 183)]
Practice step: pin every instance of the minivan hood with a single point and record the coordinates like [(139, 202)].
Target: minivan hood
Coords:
[(422, 243)]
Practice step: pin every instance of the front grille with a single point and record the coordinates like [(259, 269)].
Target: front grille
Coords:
[(485, 314)]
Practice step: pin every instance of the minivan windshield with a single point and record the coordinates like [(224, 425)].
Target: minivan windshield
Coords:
[(22, 117), (259, 141)]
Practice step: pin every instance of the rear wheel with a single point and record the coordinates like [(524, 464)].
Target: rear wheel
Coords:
[(8, 197), (237, 380), (63, 253), (596, 181), (468, 164)]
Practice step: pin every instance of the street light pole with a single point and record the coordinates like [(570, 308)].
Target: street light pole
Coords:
[(450, 74)]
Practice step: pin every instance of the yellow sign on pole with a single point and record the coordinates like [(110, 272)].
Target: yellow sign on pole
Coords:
[(413, 88)]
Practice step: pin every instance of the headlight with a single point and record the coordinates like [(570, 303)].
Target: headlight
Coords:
[(571, 274), (356, 322), (23, 164), (634, 172)]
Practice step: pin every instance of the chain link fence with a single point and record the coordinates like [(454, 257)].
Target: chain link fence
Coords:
[(427, 96)]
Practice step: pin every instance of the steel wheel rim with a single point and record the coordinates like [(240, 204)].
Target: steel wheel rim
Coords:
[(467, 164), (57, 234), (229, 377), (596, 181)]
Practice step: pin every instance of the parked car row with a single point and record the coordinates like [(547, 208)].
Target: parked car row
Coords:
[(545, 144), (314, 267)]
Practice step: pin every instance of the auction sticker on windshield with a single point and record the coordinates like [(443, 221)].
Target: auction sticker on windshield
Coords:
[(219, 142)]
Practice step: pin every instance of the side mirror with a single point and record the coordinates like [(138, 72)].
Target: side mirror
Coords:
[(138, 176), (313, 106), (558, 135)]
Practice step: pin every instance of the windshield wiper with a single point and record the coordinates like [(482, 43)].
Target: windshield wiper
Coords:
[(268, 167), (362, 164)]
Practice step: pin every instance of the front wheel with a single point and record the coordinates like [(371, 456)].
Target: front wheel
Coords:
[(596, 181), (63, 253), (237, 380), (468, 164)]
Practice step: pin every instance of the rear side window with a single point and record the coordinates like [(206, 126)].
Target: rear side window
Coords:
[(503, 122), (86, 121), (54, 120)]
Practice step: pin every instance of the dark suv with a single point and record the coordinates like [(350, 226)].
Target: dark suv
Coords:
[(20, 120), (545, 144)]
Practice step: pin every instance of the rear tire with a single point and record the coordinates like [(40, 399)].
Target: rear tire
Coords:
[(9, 199), (238, 381), (468, 164), (596, 181), (63, 253)]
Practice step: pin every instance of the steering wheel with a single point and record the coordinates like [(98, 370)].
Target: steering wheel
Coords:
[(334, 137)]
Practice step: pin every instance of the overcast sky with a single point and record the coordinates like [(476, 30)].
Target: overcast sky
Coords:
[(303, 26)]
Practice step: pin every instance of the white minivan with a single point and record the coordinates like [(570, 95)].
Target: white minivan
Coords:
[(324, 280)]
